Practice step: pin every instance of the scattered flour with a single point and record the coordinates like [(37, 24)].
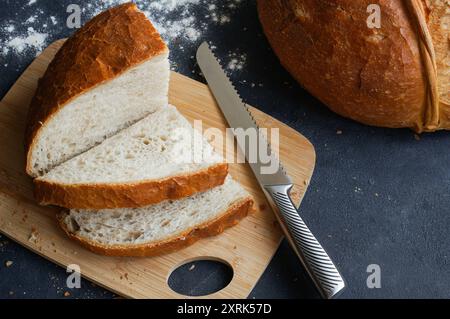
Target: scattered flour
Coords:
[(174, 19), (237, 61), (32, 39), (31, 19)]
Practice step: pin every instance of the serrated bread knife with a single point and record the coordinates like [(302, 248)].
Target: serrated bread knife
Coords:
[(276, 185)]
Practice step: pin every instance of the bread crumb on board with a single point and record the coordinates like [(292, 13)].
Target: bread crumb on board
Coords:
[(66, 294), (9, 263), (34, 236), (192, 267)]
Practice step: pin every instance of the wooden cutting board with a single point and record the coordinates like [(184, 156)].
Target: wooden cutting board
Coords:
[(247, 248)]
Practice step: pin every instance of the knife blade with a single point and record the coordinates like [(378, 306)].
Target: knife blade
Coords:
[(277, 184)]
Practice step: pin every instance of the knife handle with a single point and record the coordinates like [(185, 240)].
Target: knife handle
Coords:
[(319, 265)]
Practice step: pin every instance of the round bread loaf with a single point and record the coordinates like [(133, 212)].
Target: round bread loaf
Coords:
[(397, 75)]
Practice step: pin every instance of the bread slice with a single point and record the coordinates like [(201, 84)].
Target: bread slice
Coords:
[(111, 73), (158, 158), (158, 229)]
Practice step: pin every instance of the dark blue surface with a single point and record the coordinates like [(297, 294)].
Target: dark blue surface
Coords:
[(378, 196)]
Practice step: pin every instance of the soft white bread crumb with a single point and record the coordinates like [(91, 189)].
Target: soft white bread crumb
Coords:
[(101, 112), (160, 146), (154, 223)]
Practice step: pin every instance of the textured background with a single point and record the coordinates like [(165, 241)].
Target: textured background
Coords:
[(378, 196)]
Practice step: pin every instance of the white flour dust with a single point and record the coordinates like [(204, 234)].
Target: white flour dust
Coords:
[(31, 39), (181, 23), (236, 61), (176, 19)]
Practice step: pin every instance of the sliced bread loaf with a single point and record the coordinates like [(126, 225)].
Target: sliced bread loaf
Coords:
[(158, 229), (158, 158), (111, 73)]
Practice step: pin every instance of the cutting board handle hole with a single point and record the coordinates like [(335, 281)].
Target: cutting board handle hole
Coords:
[(200, 277)]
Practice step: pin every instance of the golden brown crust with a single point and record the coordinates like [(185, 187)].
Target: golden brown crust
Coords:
[(211, 228), (108, 45), (374, 76), (103, 196), (437, 19)]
